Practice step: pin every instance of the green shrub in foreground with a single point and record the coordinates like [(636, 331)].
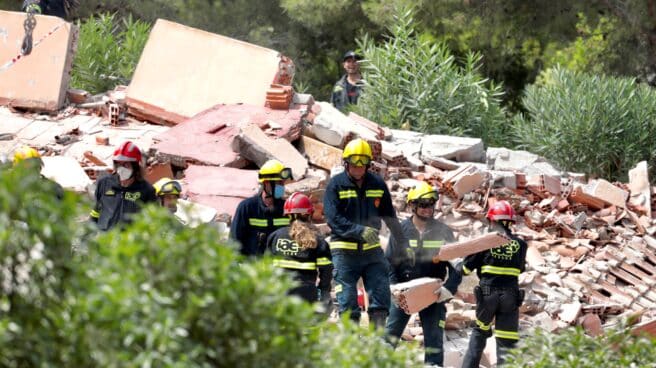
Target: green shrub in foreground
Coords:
[(411, 78), (155, 295), (597, 125), (108, 51), (572, 348)]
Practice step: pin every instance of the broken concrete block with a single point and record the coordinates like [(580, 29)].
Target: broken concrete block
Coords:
[(543, 320), (221, 188), (645, 328), (415, 295), (39, 80), (593, 203), (382, 133), (256, 146), (467, 247), (320, 154), (213, 68), (67, 172), (333, 127), (607, 192), (640, 187), (509, 160), (461, 149), (193, 214), (463, 180), (158, 171)]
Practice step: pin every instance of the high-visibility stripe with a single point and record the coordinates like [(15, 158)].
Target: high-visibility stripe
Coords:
[(323, 261), (352, 245), (338, 288), (465, 270), (433, 243), (258, 222), (343, 194), (508, 271), (482, 325), (441, 323), (284, 263), (374, 193), (343, 245), (281, 221), (510, 335), (413, 243), (95, 214)]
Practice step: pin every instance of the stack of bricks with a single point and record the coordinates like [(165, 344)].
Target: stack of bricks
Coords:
[(279, 97), (415, 295)]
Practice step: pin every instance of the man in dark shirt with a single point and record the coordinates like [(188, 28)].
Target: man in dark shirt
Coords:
[(58, 8), (348, 88), (122, 194)]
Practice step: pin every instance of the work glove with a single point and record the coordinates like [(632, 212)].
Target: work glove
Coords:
[(370, 235), (443, 294)]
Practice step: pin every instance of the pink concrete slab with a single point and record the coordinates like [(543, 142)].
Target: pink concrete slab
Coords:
[(183, 71), (206, 137), (220, 181), (221, 204), (39, 80)]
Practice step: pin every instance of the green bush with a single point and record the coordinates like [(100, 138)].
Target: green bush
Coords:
[(598, 125), (108, 51), (412, 79), (574, 349), (157, 294)]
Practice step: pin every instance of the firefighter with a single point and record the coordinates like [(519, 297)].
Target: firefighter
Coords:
[(30, 159), (426, 235), (498, 296), (168, 192), (260, 215), (349, 87), (355, 202), (300, 249), (122, 194), (58, 8)]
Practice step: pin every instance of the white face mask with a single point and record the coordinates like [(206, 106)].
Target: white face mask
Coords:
[(124, 173)]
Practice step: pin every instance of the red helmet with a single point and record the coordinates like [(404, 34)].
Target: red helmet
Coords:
[(501, 210), (127, 151), (298, 203)]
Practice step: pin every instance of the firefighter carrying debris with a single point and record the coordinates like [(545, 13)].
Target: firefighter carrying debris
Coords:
[(354, 204), (426, 235), (260, 215), (300, 249), (498, 296)]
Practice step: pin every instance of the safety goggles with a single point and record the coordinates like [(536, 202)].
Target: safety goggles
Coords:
[(358, 160), (425, 203), (284, 174), (172, 187)]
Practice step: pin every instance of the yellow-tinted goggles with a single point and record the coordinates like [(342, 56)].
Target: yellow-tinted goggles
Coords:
[(284, 174), (172, 187), (358, 160)]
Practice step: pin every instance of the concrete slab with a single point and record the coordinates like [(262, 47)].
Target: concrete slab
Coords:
[(221, 188), (193, 214), (34, 129), (67, 172), (320, 154), (459, 149), (206, 69), (13, 123), (39, 80), (332, 127), (206, 138)]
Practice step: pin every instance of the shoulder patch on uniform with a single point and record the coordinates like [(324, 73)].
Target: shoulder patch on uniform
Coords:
[(110, 192), (132, 196), (338, 88)]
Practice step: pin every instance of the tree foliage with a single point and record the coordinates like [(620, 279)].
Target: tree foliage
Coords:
[(412, 79), (598, 125), (157, 294)]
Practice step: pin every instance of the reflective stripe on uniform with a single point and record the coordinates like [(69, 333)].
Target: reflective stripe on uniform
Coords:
[(508, 271), (510, 335), (483, 326), (466, 270), (433, 243), (338, 288), (323, 261), (343, 194), (284, 263), (95, 214), (441, 323), (374, 193), (281, 221), (258, 222), (351, 245)]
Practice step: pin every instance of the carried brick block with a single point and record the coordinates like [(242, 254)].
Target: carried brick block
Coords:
[(37, 81), (579, 196), (415, 295), (471, 246)]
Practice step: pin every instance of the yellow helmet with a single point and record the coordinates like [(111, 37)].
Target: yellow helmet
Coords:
[(273, 170), (422, 190), (358, 152), (25, 152), (166, 186)]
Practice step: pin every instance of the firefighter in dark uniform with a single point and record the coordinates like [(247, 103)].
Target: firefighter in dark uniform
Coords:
[(498, 296), (260, 215), (348, 88), (168, 193), (426, 235), (355, 202), (300, 249), (122, 194)]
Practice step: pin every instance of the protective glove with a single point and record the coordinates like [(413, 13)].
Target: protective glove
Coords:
[(443, 294), (370, 235)]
